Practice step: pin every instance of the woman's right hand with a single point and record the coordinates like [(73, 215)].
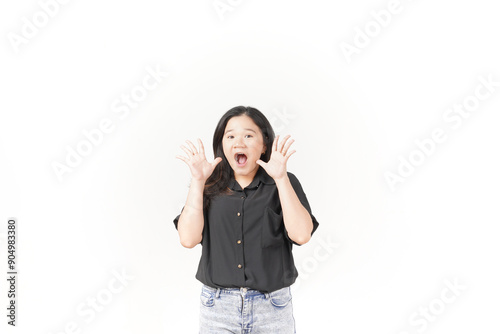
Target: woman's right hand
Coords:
[(200, 168)]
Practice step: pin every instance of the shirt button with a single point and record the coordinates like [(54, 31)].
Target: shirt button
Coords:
[(239, 241), (239, 265), (238, 214)]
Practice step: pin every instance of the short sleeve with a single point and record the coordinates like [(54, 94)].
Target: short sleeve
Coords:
[(176, 222), (303, 199)]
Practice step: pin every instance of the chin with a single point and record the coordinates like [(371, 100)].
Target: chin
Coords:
[(245, 170)]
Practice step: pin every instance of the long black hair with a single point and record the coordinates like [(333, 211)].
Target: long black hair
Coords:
[(218, 182)]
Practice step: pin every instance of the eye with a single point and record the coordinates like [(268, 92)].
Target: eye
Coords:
[(232, 136)]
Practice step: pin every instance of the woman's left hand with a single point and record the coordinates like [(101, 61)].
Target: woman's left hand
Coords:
[(276, 166)]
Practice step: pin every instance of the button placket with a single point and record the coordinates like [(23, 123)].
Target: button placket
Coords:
[(239, 238)]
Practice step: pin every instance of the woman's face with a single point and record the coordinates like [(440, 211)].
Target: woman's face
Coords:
[(242, 135)]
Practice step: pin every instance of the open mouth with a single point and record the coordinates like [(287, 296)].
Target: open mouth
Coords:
[(241, 159)]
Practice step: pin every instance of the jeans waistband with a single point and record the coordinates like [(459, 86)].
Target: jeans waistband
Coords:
[(236, 291)]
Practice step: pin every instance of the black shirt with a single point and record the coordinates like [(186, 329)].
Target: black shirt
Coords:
[(244, 242)]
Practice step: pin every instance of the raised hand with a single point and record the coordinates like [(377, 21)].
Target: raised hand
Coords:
[(276, 166), (200, 168)]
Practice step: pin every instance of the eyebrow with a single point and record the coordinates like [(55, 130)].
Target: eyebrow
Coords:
[(244, 129)]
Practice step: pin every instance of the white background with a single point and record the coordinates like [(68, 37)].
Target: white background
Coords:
[(352, 121)]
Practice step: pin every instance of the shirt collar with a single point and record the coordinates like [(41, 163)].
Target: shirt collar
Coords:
[(260, 177)]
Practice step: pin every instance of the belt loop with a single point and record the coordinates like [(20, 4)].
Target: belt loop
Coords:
[(217, 293), (267, 295)]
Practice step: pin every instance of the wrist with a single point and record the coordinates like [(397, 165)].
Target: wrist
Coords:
[(281, 180), (198, 183)]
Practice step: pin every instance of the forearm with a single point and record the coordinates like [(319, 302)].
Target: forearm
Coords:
[(298, 221), (191, 220)]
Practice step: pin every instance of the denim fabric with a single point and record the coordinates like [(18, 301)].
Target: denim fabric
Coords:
[(244, 310)]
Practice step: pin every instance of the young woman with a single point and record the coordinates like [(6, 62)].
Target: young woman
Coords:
[(247, 211)]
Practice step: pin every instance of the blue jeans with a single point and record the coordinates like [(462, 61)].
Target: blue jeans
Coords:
[(244, 310)]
